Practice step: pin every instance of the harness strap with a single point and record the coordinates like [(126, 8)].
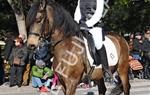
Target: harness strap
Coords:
[(34, 33), (55, 44), (91, 71)]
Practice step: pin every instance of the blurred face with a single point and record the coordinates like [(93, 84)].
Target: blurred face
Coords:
[(147, 35), (17, 43), (132, 36), (138, 37)]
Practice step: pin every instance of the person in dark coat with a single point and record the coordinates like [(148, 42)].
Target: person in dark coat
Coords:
[(26, 73), (1, 69), (136, 53), (146, 50), (137, 42), (43, 53), (16, 69), (137, 45), (9, 44)]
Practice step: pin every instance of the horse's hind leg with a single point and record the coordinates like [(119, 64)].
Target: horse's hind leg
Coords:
[(101, 86), (125, 79), (126, 84)]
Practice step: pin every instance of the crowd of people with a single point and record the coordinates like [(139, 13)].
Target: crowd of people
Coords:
[(140, 51), (26, 66)]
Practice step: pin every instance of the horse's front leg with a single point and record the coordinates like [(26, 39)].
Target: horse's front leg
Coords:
[(71, 88), (101, 86)]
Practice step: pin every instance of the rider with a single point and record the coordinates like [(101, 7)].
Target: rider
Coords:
[(88, 14)]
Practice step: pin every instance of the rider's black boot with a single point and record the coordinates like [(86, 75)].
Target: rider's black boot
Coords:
[(103, 58)]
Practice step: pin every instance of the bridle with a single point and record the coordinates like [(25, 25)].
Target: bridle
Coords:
[(43, 22), (41, 34)]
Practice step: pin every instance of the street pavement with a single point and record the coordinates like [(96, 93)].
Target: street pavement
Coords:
[(138, 87)]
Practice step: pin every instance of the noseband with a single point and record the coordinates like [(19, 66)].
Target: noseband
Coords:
[(34, 33)]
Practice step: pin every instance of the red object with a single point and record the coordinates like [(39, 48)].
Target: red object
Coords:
[(135, 64), (44, 89)]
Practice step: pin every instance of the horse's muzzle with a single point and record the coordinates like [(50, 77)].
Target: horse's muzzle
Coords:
[(31, 46)]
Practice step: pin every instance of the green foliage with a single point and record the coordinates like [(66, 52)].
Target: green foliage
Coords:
[(128, 16), (123, 2), (124, 16), (7, 18), (20, 6), (147, 0), (116, 17)]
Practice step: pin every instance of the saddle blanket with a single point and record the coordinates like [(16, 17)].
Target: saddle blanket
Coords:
[(110, 50)]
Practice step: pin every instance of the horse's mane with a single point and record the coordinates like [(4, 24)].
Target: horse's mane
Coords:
[(31, 16), (62, 19)]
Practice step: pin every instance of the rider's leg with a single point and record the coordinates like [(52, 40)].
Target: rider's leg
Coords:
[(104, 61), (103, 57), (99, 37)]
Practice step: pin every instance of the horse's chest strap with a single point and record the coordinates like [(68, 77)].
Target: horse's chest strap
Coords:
[(56, 43)]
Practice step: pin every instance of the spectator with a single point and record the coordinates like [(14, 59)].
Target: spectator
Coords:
[(146, 50), (26, 74), (131, 41), (54, 81), (18, 57), (136, 53), (1, 69), (41, 76), (43, 53), (137, 45), (9, 44)]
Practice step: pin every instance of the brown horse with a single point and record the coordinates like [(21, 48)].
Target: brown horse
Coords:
[(52, 22)]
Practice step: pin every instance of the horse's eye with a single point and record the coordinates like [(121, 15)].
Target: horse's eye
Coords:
[(39, 17)]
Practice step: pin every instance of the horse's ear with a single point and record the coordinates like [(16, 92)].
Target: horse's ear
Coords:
[(42, 4)]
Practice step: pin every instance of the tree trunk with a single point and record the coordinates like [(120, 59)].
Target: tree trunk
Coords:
[(21, 24), (20, 18)]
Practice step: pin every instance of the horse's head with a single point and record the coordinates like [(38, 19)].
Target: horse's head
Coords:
[(49, 20), (38, 23)]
